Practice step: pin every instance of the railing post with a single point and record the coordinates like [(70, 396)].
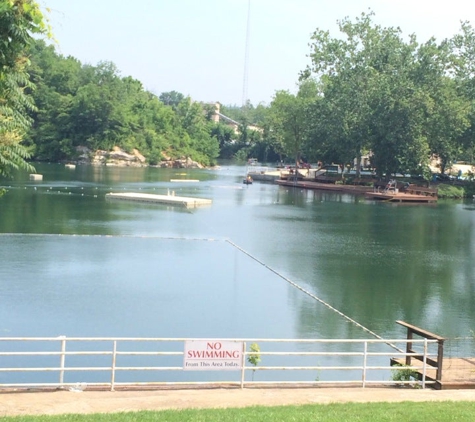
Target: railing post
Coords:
[(62, 360), (243, 366), (365, 357), (424, 364), (440, 359), (408, 346), (114, 355)]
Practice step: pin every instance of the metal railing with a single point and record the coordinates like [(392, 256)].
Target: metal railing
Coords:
[(73, 362)]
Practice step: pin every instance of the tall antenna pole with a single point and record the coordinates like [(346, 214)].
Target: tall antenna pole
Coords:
[(246, 56)]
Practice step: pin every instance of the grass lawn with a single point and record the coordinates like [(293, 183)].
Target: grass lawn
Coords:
[(339, 412)]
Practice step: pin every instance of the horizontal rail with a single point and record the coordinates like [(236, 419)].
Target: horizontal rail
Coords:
[(207, 384), (181, 339), (121, 361)]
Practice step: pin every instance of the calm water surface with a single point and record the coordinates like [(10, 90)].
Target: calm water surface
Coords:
[(76, 264)]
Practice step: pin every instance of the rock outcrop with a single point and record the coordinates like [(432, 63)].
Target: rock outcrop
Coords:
[(120, 158), (181, 163)]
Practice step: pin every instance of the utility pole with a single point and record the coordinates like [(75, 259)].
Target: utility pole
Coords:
[(246, 57)]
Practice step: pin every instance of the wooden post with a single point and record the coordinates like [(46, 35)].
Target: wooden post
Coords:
[(409, 346), (440, 358)]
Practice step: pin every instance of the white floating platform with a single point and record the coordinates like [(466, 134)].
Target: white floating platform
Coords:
[(184, 180), (161, 199), (36, 177), (70, 166)]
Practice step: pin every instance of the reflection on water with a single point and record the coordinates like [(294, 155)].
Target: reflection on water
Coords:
[(130, 275), (135, 286)]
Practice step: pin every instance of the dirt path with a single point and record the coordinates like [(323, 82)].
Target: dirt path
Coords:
[(60, 402)]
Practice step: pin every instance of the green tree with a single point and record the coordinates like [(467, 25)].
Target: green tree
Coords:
[(384, 94), (172, 99), (197, 142), (463, 48), (289, 117), (226, 138), (19, 21), (254, 357)]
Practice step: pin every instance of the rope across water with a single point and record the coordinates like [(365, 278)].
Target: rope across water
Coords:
[(292, 283)]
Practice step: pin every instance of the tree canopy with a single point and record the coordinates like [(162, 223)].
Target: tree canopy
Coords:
[(95, 107), (19, 20), (405, 102)]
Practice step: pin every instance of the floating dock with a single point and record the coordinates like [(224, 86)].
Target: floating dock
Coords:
[(161, 199), (264, 176), (399, 197)]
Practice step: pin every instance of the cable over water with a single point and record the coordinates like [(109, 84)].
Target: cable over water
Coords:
[(311, 295)]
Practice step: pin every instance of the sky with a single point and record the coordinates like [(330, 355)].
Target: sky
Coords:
[(199, 47)]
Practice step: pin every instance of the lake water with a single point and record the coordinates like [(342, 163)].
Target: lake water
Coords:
[(76, 264)]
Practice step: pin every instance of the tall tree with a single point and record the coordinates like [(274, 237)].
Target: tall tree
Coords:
[(463, 45), (388, 95), (288, 116), (171, 98)]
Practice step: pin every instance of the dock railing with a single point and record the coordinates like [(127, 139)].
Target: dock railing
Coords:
[(111, 363), (413, 354)]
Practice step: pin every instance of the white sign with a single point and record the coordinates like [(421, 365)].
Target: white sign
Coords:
[(212, 355)]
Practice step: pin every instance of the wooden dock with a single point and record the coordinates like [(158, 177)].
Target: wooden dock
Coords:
[(160, 199), (400, 193), (400, 197), (448, 373), (457, 374), (304, 184)]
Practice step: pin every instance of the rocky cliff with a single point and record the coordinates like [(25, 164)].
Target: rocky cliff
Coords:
[(118, 157)]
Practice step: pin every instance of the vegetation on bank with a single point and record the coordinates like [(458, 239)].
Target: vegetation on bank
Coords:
[(451, 191), (93, 106), (337, 412)]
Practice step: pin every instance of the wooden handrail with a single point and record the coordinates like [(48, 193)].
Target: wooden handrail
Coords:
[(420, 331), (412, 329)]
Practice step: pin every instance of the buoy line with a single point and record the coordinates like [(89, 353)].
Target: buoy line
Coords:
[(297, 286), (124, 236)]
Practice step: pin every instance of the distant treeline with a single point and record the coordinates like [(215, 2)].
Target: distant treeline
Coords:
[(93, 106), (370, 91)]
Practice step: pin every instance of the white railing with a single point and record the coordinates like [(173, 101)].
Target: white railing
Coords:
[(64, 362)]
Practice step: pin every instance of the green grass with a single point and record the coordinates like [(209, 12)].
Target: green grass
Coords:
[(338, 412)]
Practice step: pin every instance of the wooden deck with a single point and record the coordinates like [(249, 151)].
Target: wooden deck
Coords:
[(447, 372), (399, 192), (355, 189), (457, 373)]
